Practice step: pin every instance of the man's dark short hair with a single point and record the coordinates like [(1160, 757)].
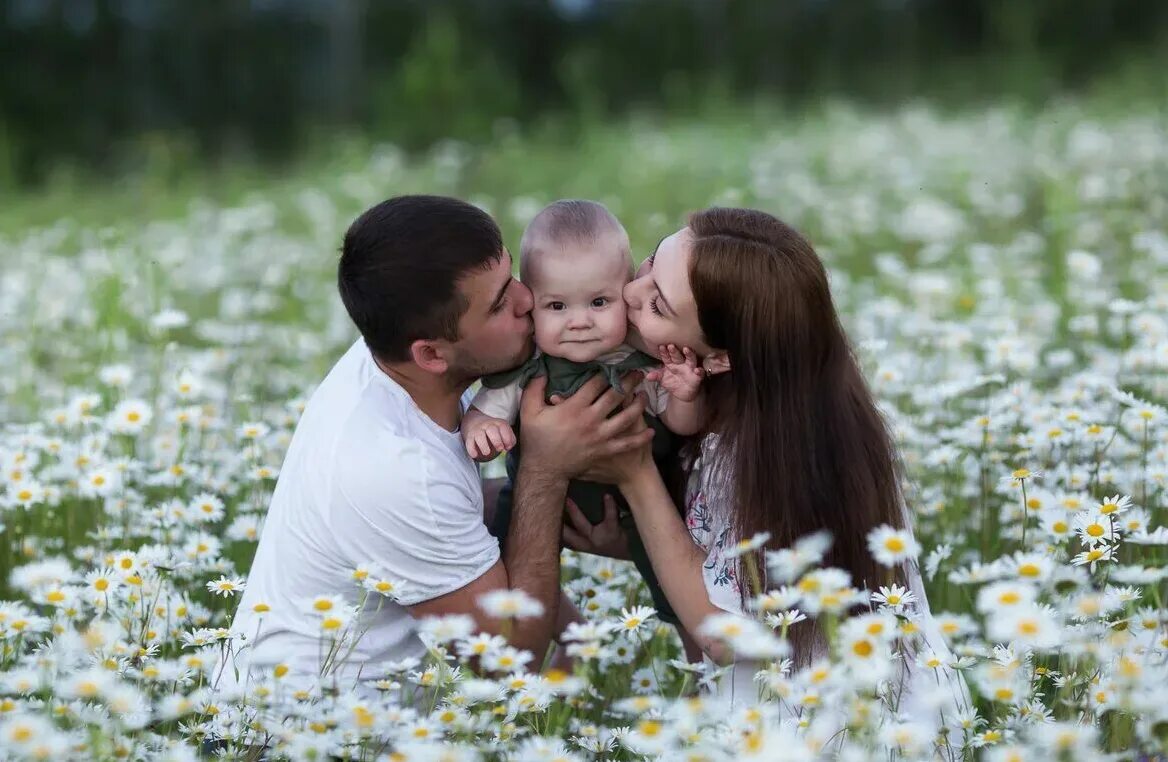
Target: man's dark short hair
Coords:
[(400, 265)]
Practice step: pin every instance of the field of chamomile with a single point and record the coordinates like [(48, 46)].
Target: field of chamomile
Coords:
[(1003, 277)]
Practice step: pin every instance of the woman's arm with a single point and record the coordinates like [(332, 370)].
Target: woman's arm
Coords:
[(676, 560)]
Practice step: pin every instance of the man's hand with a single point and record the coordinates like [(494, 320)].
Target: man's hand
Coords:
[(485, 437), (569, 438), (680, 374), (604, 539)]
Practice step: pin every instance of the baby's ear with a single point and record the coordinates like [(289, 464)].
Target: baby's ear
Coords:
[(715, 363)]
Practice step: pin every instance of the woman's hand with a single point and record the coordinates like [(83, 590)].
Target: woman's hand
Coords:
[(604, 539), (680, 374)]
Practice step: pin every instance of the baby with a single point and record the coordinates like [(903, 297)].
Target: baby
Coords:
[(575, 258)]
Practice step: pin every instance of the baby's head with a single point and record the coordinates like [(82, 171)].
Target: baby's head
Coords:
[(575, 258)]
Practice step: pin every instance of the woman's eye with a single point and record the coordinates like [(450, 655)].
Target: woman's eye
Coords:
[(653, 306), (600, 301), (555, 306)]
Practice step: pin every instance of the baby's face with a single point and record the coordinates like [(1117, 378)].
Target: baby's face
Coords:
[(579, 309)]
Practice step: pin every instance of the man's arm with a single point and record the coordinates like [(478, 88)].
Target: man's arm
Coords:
[(559, 442)]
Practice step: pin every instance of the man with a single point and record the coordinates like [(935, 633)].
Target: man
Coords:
[(376, 474)]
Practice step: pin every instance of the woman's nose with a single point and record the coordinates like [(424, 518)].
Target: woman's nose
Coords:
[(632, 294)]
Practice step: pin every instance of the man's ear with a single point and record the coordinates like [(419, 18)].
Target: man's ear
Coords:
[(716, 362), (429, 356)]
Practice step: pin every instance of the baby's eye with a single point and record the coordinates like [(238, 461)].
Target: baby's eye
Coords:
[(556, 306), (600, 301)]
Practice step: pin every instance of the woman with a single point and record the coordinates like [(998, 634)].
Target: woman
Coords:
[(795, 443)]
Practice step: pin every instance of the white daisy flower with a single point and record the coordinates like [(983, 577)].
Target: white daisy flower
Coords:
[(891, 546)]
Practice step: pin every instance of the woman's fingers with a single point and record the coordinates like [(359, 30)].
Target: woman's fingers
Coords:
[(575, 540), (580, 522), (610, 512)]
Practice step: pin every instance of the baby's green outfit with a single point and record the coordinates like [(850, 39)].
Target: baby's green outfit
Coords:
[(499, 398)]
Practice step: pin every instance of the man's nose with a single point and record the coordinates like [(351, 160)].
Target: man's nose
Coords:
[(524, 301)]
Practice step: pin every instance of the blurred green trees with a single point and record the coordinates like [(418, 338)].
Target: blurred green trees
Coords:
[(97, 83)]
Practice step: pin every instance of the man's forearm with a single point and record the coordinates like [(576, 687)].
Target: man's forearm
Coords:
[(532, 554)]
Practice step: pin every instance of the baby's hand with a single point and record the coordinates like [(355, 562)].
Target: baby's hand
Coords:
[(485, 437), (680, 374)]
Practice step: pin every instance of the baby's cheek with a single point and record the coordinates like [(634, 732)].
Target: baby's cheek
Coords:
[(616, 323), (546, 329)]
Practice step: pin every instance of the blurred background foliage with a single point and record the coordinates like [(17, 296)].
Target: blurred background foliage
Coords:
[(109, 87)]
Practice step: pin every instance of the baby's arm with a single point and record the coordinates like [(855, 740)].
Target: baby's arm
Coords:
[(681, 377), (685, 418), (485, 437), (486, 427)]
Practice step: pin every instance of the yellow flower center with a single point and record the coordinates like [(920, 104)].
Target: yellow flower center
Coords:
[(894, 544)]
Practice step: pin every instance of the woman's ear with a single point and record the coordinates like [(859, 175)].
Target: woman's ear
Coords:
[(716, 362)]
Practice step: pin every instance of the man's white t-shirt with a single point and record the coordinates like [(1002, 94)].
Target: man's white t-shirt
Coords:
[(368, 479)]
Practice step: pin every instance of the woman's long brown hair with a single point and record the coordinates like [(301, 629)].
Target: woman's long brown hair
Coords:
[(802, 446)]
